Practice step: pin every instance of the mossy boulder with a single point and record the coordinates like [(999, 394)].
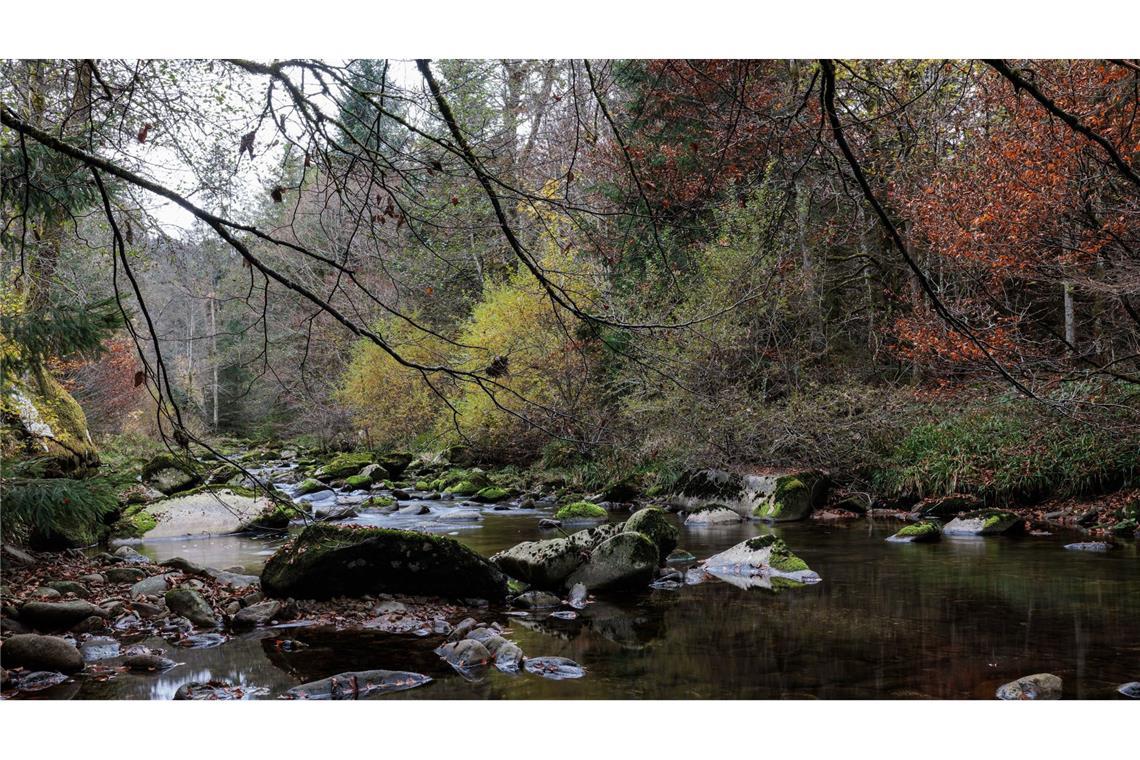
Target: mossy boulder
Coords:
[(135, 522), (325, 561), (394, 462), (698, 487), (343, 465), (169, 474), (308, 486), (924, 531), (791, 500), (985, 522), (764, 557), (624, 562), (658, 527), (207, 511), (464, 488), (542, 564), (39, 418), (581, 510), (358, 482), (492, 494)]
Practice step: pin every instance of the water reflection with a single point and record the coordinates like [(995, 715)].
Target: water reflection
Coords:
[(947, 620)]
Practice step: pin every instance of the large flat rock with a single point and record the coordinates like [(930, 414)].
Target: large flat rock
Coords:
[(203, 513)]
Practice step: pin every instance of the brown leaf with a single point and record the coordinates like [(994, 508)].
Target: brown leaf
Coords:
[(455, 200), (278, 194), (140, 378), (143, 132)]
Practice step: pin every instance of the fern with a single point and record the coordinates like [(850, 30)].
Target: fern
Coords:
[(48, 507)]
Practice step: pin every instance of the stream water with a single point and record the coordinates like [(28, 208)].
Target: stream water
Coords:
[(951, 620)]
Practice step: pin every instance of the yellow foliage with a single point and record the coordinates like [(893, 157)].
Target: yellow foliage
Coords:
[(390, 401)]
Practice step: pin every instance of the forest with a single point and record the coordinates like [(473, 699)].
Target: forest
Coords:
[(269, 326)]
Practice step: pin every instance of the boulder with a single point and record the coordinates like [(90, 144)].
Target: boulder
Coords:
[(58, 616), (190, 605), (491, 494), (343, 465), (327, 560), (395, 462), (169, 474), (623, 562), (40, 419), (374, 472), (1036, 686), (542, 564), (309, 486), (776, 498), (657, 526), (357, 685), (923, 531), (465, 655), (757, 562), (986, 522), (791, 500), (210, 512), (256, 615), (716, 514), (34, 652)]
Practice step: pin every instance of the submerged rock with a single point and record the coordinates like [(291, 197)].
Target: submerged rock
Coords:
[(535, 600), (716, 514), (328, 560), (34, 652), (216, 689), (924, 531), (554, 668), (509, 657), (1090, 546), (759, 562), (624, 562), (148, 663), (1036, 686), (578, 598), (358, 685), (466, 656), (987, 522)]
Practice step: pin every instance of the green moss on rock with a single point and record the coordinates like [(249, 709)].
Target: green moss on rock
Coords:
[(343, 465), (491, 494), (581, 510), (658, 527), (326, 560), (358, 482)]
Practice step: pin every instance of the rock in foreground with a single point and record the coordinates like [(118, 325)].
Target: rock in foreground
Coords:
[(621, 563), (358, 685), (924, 531), (1036, 686), (332, 560), (759, 561), (34, 652)]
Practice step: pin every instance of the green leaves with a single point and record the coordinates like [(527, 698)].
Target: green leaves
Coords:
[(56, 332)]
